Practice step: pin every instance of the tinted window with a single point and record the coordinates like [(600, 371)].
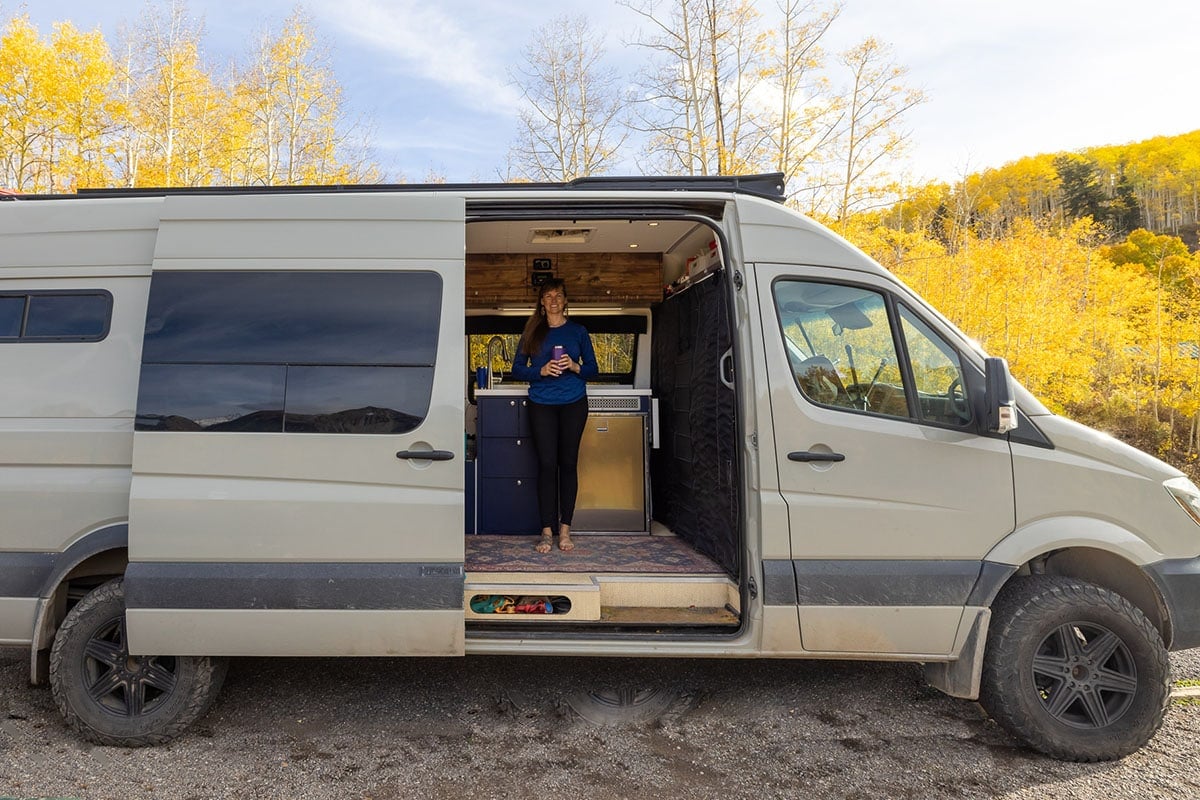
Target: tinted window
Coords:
[(311, 352), (75, 316), (197, 397), (12, 312), (56, 316), (356, 399), (361, 318)]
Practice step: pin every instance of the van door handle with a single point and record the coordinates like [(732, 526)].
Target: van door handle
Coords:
[(725, 369), (809, 455), (426, 455)]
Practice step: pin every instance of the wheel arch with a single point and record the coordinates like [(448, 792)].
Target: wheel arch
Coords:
[(1110, 570), (93, 558), (1087, 549)]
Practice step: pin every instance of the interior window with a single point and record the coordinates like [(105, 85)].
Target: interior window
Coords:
[(840, 346), (614, 354), (937, 373)]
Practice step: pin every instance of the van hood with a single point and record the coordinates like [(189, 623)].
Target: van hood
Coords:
[(1090, 443)]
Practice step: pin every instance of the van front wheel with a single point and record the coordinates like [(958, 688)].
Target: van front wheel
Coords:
[(112, 698), (1073, 669)]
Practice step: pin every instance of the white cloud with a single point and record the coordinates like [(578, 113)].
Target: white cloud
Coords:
[(426, 41)]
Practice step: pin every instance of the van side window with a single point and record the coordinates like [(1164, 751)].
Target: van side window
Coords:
[(55, 316), (840, 347), (841, 343), (296, 352), (937, 373)]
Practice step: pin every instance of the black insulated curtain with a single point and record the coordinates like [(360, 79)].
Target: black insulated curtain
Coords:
[(694, 472)]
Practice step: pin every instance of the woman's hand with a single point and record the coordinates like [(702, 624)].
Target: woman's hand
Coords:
[(554, 368)]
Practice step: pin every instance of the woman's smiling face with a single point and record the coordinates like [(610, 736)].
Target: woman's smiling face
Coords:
[(554, 301)]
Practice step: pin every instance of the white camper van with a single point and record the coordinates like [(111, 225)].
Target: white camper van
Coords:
[(252, 423)]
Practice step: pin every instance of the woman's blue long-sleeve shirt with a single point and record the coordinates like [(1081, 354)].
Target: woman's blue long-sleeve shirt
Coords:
[(567, 387)]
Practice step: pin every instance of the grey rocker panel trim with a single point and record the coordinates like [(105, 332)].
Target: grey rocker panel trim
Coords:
[(35, 574), (881, 582), (270, 585)]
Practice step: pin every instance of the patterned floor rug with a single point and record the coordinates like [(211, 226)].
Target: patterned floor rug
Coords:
[(637, 554)]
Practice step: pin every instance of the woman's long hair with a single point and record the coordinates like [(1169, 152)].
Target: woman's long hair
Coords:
[(537, 325)]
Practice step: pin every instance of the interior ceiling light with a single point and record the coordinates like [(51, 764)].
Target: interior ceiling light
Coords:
[(560, 235), (633, 245)]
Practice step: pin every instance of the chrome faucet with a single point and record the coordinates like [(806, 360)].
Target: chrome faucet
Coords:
[(491, 358)]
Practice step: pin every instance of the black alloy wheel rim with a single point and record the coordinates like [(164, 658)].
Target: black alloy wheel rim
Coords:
[(128, 686), (1084, 675)]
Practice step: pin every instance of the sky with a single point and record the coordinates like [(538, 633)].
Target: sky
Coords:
[(1003, 78)]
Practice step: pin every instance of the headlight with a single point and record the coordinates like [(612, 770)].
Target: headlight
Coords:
[(1187, 495)]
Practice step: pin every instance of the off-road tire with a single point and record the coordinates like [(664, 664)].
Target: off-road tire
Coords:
[(1074, 670), (113, 699)]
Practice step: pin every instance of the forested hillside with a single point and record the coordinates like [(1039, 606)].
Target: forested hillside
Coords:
[(1153, 184), (1073, 267)]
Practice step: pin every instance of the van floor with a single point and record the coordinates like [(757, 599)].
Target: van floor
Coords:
[(593, 553)]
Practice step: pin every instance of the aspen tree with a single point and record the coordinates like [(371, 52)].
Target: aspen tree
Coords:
[(572, 119)]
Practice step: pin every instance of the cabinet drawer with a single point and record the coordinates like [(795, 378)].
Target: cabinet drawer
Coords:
[(508, 505), (507, 458), (504, 416)]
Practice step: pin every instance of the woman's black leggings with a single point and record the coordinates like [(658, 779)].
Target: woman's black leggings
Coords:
[(557, 431)]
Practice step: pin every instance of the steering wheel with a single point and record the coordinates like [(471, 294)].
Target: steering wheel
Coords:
[(956, 400)]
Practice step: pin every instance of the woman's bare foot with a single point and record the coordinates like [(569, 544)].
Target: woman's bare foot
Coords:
[(564, 539), (546, 544)]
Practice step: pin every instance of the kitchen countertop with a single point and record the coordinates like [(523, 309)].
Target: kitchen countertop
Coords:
[(596, 390)]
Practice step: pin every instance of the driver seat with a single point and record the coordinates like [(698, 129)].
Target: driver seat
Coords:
[(820, 382)]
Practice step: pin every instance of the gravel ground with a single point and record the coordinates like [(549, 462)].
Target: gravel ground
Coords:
[(485, 727)]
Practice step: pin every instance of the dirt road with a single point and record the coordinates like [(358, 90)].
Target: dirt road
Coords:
[(511, 728)]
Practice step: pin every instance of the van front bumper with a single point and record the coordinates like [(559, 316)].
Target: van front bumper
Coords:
[(1179, 582)]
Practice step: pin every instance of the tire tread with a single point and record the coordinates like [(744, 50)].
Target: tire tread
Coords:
[(1012, 613), (202, 690)]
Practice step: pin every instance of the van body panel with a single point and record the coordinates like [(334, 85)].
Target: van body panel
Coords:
[(309, 227), (16, 619), (333, 586), (776, 543), (780, 630), (210, 496), (771, 232), (881, 630), (78, 380), (53, 233), (1091, 476), (67, 424), (361, 632)]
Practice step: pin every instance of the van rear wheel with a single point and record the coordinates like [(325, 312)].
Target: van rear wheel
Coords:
[(1073, 669), (112, 698)]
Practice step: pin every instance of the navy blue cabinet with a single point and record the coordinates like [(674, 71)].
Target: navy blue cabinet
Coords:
[(506, 499)]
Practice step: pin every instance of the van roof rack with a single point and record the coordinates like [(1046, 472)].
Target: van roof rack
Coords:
[(769, 186)]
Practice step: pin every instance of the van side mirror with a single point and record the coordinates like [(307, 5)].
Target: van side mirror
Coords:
[(1001, 402)]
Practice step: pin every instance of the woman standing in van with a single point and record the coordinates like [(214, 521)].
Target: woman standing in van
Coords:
[(556, 357)]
